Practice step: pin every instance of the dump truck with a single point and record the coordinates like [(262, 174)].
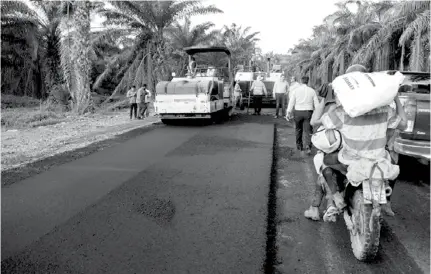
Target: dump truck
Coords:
[(203, 94)]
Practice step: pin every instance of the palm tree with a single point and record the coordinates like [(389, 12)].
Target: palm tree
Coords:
[(180, 36), (405, 25), (147, 22), (380, 35), (32, 35), (80, 57), (43, 30), (241, 43)]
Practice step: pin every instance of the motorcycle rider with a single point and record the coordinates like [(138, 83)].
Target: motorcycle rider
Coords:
[(326, 93), (363, 137)]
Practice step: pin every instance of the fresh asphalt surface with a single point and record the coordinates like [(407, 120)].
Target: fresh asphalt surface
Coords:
[(189, 199)]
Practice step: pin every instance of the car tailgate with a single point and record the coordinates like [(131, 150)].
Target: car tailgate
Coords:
[(417, 106)]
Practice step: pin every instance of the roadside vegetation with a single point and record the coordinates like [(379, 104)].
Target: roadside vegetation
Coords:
[(382, 35)]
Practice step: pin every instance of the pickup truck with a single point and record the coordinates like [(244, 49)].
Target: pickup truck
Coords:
[(414, 94)]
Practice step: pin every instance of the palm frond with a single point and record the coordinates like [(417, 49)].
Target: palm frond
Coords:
[(419, 25), (366, 52)]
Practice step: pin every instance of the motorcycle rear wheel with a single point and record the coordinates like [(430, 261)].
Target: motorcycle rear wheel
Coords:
[(365, 240)]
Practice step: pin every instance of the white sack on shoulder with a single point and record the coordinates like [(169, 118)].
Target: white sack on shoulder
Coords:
[(360, 92)]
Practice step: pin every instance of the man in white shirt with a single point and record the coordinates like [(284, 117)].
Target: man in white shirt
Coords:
[(303, 100), (140, 101), (145, 100), (280, 92), (237, 94), (258, 90), (131, 94)]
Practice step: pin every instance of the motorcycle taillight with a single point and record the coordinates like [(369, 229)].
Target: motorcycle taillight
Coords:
[(410, 107)]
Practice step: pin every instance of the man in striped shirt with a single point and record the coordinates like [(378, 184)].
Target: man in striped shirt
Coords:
[(364, 137)]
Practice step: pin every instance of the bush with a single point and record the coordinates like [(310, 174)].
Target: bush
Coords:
[(12, 101)]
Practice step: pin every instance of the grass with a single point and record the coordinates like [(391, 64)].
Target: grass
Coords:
[(11, 101), (30, 117), (26, 112)]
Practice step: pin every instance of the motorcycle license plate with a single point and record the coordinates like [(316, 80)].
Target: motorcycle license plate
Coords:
[(378, 192)]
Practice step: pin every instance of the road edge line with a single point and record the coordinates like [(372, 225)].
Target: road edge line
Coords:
[(271, 229)]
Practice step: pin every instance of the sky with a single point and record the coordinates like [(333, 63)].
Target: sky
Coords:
[(281, 23)]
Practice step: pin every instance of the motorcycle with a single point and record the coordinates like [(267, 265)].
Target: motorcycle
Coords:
[(362, 214)]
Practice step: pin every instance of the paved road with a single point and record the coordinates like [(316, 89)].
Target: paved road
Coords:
[(155, 205), (173, 200)]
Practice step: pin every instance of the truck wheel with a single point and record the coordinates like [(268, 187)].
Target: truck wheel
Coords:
[(242, 106), (167, 121), (217, 117)]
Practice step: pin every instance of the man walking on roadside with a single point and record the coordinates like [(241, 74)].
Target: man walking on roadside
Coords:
[(258, 89), (140, 101), (303, 100), (280, 93), (148, 98), (145, 100), (131, 94)]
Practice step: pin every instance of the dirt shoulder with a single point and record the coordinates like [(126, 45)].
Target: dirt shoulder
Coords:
[(26, 152)]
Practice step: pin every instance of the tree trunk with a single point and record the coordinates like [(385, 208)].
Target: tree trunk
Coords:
[(150, 67), (385, 57), (81, 58), (403, 52), (140, 72), (342, 64)]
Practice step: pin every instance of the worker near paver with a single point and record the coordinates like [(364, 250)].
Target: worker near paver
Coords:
[(303, 100), (146, 100), (140, 101), (192, 66), (258, 89), (131, 94), (237, 93), (280, 93)]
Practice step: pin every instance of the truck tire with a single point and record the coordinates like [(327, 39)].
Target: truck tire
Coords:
[(167, 121)]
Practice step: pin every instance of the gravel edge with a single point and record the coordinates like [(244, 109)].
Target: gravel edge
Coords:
[(14, 175)]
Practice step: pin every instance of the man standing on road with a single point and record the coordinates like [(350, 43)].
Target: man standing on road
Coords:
[(258, 89), (280, 93), (131, 94), (237, 94), (146, 99), (140, 101), (293, 85), (303, 101), (192, 66)]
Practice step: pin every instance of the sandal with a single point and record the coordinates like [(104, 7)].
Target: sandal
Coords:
[(331, 214)]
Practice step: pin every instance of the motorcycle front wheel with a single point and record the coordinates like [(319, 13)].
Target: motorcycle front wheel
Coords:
[(365, 235)]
